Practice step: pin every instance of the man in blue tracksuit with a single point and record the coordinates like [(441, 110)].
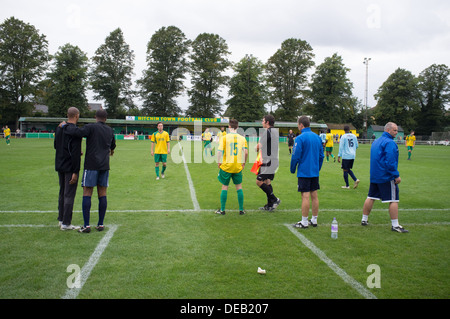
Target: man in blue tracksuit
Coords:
[(307, 160), (384, 176)]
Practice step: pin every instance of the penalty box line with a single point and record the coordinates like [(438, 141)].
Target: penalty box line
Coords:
[(72, 293), (212, 210), (190, 182), (339, 271)]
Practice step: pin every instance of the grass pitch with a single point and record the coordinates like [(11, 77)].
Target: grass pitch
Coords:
[(165, 249)]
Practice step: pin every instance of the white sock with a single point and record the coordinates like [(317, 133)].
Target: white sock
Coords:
[(394, 222), (314, 219), (365, 218), (305, 221)]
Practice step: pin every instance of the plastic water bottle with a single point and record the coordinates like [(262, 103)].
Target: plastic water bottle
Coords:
[(334, 229)]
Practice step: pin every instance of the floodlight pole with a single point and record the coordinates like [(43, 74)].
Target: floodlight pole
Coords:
[(366, 62)]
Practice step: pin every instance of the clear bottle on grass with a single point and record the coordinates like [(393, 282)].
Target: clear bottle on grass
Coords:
[(334, 229)]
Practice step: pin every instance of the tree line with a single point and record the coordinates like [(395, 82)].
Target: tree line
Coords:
[(282, 86)]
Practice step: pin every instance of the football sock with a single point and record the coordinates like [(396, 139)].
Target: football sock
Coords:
[(350, 172), (102, 204), (365, 218), (305, 221), (314, 219), (240, 195), (273, 198), (164, 169), (409, 155), (223, 199), (86, 207), (346, 178), (328, 158), (269, 192), (394, 222), (157, 171)]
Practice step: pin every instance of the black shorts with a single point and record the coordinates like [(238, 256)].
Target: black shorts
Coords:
[(308, 184), (347, 163), (263, 177)]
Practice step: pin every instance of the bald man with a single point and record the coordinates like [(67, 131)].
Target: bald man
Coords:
[(67, 164)]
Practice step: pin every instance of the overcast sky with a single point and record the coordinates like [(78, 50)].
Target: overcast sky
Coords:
[(395, 33)]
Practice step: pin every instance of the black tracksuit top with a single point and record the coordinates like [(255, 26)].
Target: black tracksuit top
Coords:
[(99, 143), (68, 150)]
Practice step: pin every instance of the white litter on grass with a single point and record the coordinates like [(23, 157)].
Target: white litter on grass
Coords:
[(339, 271)]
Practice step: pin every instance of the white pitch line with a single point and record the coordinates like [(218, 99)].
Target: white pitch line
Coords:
[(191, 184), (213, 209), (191, 210), (95, 211), (72, 293), (339, 271), (23, 225)]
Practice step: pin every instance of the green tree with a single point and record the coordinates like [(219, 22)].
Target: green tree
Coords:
[(68, 81), (331, 92), (287, 77), (162, 81), (208, 64), (398, 100), (247, 91), (110, 77), (434, 85), (23, 61)]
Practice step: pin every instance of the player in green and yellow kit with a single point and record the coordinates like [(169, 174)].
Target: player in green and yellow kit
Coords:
[(329, 145), (7, 132), (206, 137), (231, 157), (162, 141), (410, 142)]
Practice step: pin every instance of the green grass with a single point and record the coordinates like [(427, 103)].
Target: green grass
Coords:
[(163, 249)]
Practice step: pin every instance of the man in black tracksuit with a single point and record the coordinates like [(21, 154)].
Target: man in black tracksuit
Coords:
[(268, 146), (100, 145), (67, 164)]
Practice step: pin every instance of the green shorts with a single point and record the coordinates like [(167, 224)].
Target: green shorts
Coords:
[(329, 149), (410, 148), (160, 158), (225, 177), (206, 143)]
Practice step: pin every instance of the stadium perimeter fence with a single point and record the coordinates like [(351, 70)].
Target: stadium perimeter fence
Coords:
[(437, 138)]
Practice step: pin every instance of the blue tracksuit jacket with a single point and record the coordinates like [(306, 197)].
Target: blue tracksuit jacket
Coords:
[(384, 159), (307, 157)]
